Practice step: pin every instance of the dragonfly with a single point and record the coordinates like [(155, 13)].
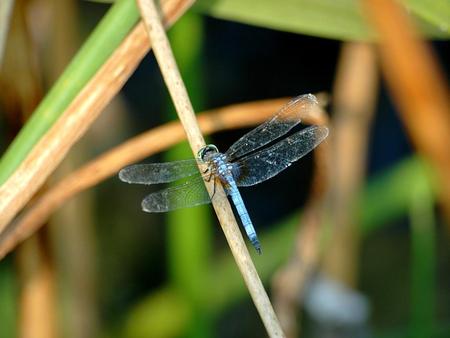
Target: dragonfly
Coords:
[(257, 156)]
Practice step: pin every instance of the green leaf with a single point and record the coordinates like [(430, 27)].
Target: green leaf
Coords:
[(387, 196), (435, 12), (341, 19)]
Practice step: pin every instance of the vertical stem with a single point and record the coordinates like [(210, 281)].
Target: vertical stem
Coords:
[(6, 8), (422, 260), (221, 205), (9, 306), (37, 294), (354, 99)]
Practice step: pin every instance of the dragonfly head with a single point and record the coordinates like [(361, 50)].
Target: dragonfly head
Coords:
[(205, 153)]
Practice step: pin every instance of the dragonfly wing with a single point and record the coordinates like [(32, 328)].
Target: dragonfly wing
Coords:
[(283, 121), (154, 173), (188, 194), (264, 164)]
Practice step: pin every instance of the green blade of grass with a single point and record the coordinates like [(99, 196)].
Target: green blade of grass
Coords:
[(8, 294), (422, 260), (108, 34)]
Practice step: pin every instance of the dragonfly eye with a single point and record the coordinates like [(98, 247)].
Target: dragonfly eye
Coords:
[(205, 152)]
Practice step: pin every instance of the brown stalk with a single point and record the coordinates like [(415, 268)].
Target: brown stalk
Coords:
[(81, 113), (355, 92), (133, 150), (221, 205), (37, 303), (290, 280), (418, 87), (6, 8)]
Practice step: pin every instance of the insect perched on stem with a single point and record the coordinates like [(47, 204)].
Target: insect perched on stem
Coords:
[(247, 162)]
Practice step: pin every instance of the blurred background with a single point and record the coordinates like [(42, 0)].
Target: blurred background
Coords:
[(354, 236)]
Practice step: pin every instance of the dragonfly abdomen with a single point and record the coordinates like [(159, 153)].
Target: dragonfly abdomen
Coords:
[(244, 216)]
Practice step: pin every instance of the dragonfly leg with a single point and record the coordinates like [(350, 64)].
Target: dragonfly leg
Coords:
[(214, 190), (210, 174), (208, 179)]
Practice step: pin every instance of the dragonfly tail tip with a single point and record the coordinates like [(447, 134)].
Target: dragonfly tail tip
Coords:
[(258, 250)]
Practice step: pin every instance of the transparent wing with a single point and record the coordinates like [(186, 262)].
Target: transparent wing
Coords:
[(188, 194), (154, 173), (283, 121), (264, 164)]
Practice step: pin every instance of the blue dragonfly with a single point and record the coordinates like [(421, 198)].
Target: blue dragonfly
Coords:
[(254, 158)]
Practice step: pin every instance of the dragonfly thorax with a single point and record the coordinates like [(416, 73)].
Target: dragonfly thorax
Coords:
[(221, 166)]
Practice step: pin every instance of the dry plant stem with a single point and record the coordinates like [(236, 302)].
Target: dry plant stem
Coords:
[(418, 87), (133, 150), (80, 114), (20, 74), (290, 280), (6, 8), (221, 205), (37, 295), (355, 92)]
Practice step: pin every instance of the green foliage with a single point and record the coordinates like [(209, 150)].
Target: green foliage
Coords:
[(342, 20), (8, 296), (163, 315), (376, 209), (436, 12), (325, 18)]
